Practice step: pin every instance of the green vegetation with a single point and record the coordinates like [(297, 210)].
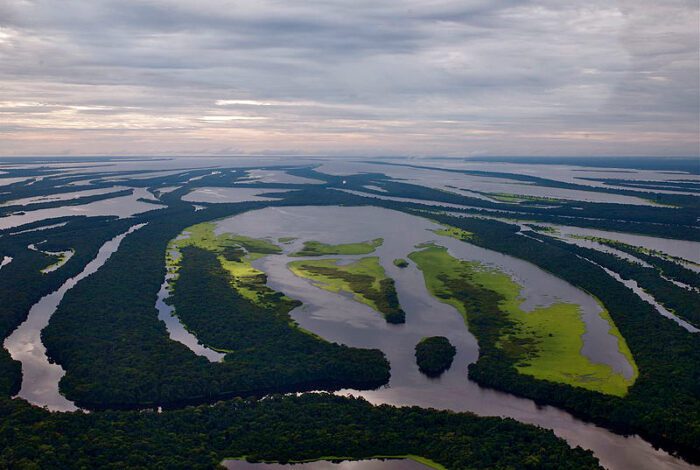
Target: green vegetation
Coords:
[(286, 240), (543, 228), (544, 343), (504, 197), (663, 405), (364, 278), (235, 254), (314, 248), (117, 354), (453, 232), (279, 428), (61, 258), (400, 263), (434, 355)]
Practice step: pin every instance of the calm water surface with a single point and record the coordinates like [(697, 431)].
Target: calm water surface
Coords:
[(340, 319)]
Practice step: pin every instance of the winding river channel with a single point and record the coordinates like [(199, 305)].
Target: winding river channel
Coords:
[(339, 318), (40, 376)]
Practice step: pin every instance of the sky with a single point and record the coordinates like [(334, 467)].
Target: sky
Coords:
[(355, 77)]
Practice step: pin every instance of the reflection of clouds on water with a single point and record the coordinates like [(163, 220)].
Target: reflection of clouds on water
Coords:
[(275, 176), (468, 185), (213, 195), (123, 206)]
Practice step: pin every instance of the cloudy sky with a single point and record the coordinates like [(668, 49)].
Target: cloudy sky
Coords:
[(355, 77)]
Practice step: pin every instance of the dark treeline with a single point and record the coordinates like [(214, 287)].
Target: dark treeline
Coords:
[(603, 215), (277, 428), (664, 403)]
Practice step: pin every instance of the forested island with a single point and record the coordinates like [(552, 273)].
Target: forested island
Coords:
[(434, 355)]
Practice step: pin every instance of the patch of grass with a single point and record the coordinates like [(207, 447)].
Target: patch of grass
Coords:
[(400, 263), (519, 198), (235, 253), (504, 197), (545, 343), (364, 278), (453, 232), (314, 248), (286, 240), (62, 258)]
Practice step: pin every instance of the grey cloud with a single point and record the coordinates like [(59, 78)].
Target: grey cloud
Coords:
[(372, 73)]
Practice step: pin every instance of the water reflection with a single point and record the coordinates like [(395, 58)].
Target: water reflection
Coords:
[(166, 314), (124, 206), (343, 320), (368, 464), (40, 376), (231, 194)]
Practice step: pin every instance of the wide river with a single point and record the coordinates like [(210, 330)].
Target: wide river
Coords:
[(339, 318)]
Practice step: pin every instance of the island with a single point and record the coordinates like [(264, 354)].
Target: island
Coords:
[(434, 355)]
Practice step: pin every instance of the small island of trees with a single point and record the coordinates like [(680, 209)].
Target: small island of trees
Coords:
[(434, 355)]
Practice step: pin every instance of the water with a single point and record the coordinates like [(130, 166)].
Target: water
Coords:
[(567, 173), (684, 249), (5, 261), (467, 184), (338, 318), (231, 194), (40, 376), (341, 319), (63, 257), (276, 176), (176, 330), (369, 464), (62, 196), (124, 206), (629, 283)]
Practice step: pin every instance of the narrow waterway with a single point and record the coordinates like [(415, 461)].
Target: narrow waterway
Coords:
[(176, 330), (40, 376)]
